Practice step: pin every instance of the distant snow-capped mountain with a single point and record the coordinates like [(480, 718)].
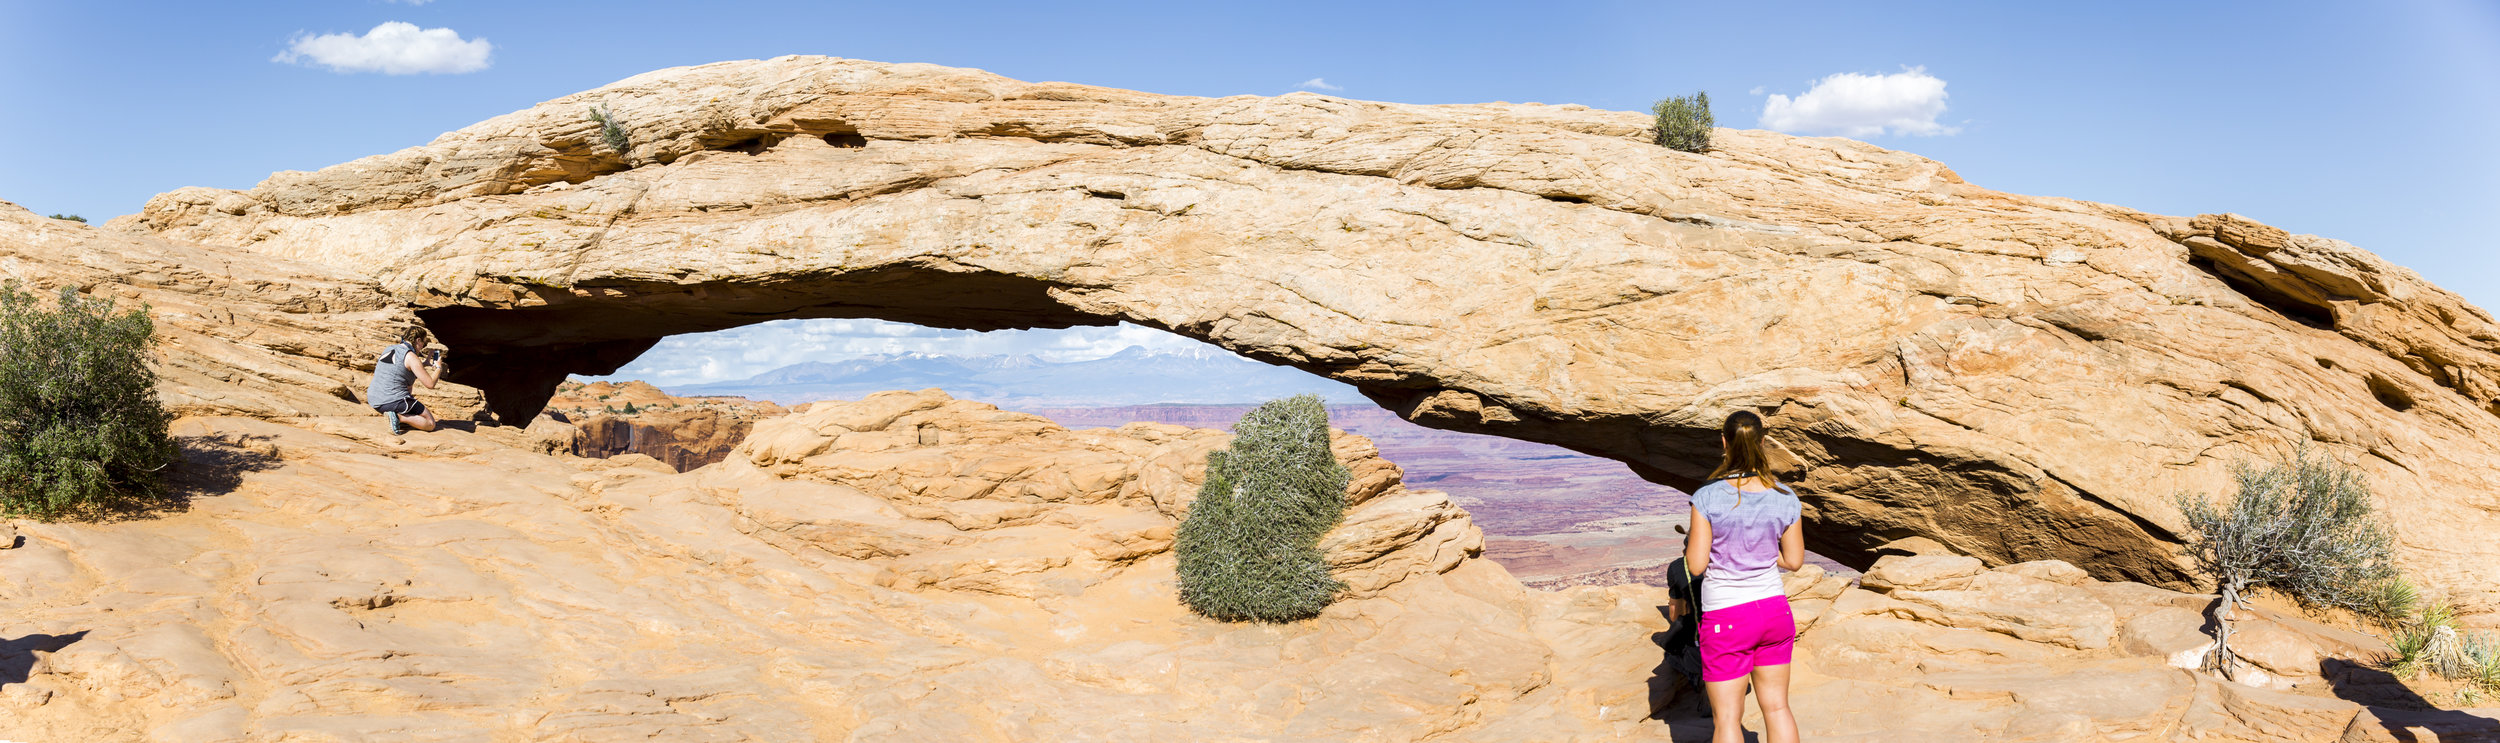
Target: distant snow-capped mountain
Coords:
[(1134, 376)]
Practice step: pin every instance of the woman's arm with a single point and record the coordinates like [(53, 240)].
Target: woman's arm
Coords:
[(1697, 545), (427, 372), (1793, 546)]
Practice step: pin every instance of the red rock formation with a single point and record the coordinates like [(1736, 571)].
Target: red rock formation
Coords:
[(635, 417)]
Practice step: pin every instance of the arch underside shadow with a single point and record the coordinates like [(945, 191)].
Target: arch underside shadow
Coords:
[(1861, 495)]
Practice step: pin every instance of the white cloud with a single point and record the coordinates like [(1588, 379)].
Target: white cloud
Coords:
[(1318, 83), (738, 353), (1757, 90), (1850, 104), (393, 48)]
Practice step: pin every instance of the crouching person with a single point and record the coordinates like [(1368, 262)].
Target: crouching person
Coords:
[(401, 367)]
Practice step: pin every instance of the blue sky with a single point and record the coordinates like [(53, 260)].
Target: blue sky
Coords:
[(2369, 122)]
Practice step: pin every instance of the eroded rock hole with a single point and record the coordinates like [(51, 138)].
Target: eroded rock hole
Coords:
[(2290, 307), (846, 140), (2389, 394), (1552, 516), (756, 144)]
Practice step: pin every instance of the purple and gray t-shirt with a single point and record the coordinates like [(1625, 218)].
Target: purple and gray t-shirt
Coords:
[(1745, 531)]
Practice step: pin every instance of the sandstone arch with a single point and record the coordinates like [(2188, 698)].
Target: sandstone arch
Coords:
[(2017, 377)]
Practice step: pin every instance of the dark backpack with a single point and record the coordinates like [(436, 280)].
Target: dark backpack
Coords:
[(1683, 640)]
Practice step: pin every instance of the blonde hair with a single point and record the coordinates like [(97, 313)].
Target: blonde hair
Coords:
[(1744, 456)]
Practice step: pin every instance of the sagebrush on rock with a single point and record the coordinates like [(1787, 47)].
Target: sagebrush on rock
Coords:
[(1249, 549), (81, 430), (610, 131), (2304, 526), (1684, 122)]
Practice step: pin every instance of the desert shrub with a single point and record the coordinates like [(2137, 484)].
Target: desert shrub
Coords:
[(2481, 663), (2392, 602), (1684, 122), (1249, 549), (630, 409), (81, 430), (2302, 526), (610, 131), (70, 218), (2420, 637), (2431, 642)]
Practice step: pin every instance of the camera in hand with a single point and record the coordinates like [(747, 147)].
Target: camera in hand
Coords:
[(434, 354)]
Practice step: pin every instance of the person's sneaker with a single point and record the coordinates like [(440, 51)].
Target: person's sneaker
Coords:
[(396, 427)]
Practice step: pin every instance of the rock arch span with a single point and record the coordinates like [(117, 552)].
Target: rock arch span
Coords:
[(2017, 377)]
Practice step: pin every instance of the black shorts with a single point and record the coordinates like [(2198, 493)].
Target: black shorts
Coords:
[(409, 406)]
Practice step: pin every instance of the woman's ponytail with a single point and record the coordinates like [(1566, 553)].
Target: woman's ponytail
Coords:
[(1744, 456)]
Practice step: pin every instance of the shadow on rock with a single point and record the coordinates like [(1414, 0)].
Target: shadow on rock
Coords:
[(17, 657), (215, 465), (1675, 691), (1699, 731), (2398, 709)]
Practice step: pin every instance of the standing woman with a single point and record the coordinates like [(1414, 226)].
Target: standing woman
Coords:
[(1744, 532)]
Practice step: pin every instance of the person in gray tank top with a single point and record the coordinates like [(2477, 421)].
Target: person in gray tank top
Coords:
[(396, 372)]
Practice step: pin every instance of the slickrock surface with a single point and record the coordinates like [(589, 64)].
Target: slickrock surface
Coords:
[(907, 567), (681, 432), (910, 568), (2019, 377), (1940, 648)]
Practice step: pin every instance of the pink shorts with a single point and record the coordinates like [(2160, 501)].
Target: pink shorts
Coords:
[(1736, 639)]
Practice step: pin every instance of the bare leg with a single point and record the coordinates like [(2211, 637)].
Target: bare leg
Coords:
[(421, 421), (1770, 690), (1727, 710)]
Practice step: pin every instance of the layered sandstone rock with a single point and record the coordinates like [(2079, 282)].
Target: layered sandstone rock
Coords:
[(2018, 377), (911, 567), (238, 333)]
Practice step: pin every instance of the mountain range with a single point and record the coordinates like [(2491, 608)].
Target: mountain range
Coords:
[(1134, 376)]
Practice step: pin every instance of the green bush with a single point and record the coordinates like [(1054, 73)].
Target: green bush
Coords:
[(70, 218), (81, 430), (1684, 122), (2302, 526), (2392, 602), (610, 131), (1249, 550)]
